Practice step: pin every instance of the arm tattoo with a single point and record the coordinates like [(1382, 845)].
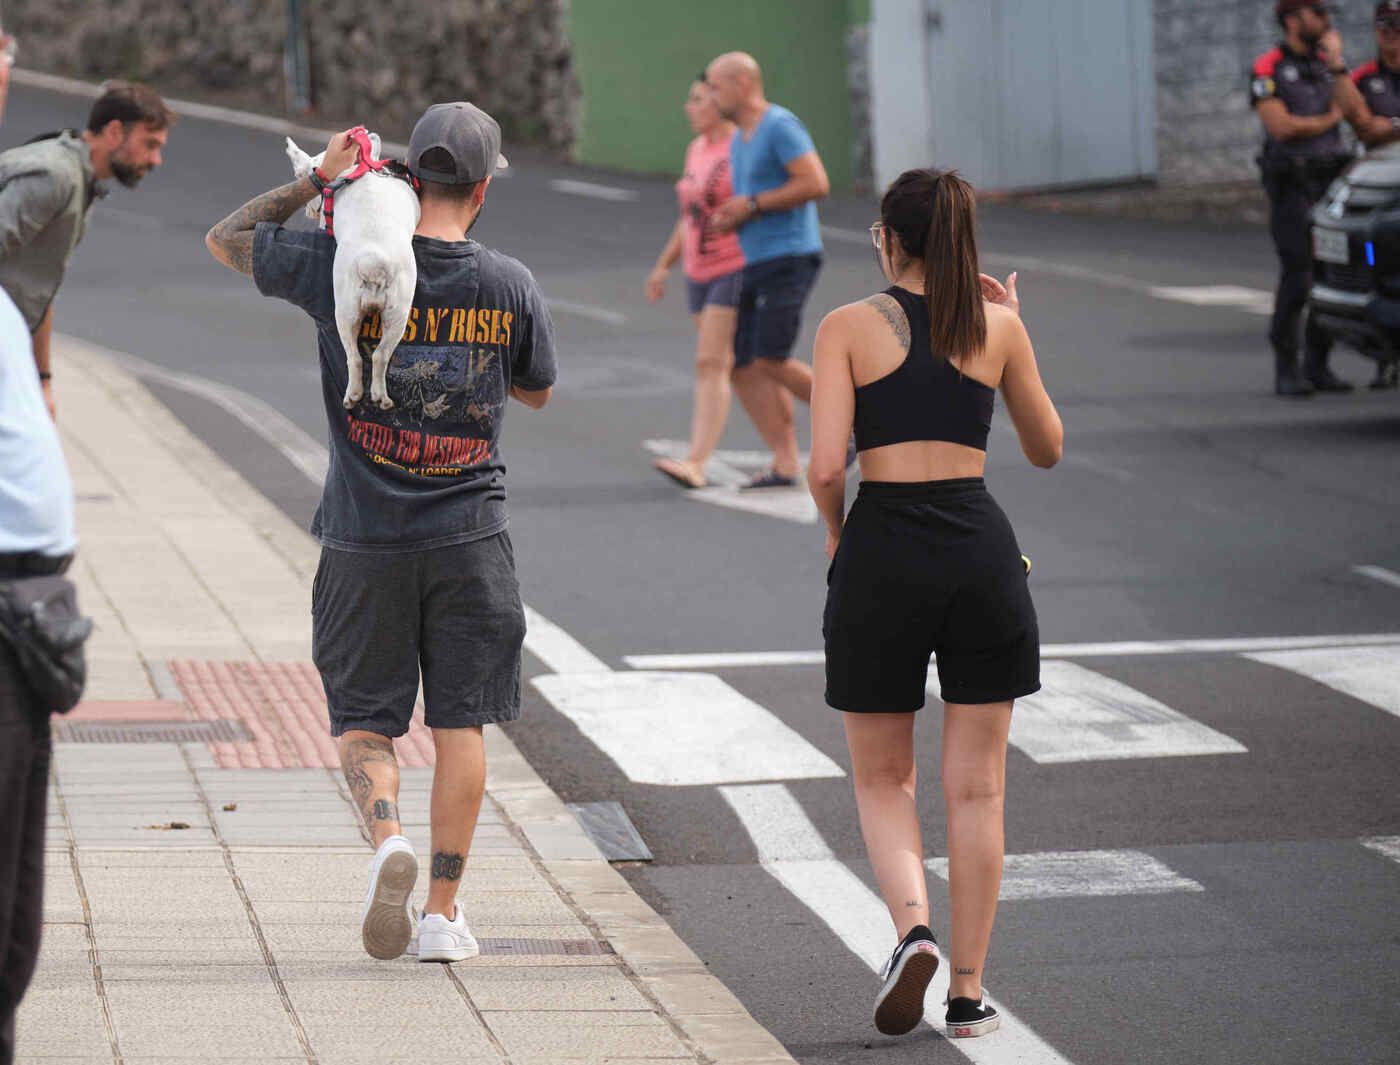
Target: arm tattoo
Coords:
[(447, 866), (384, 810), (231, 241), (893, 314)]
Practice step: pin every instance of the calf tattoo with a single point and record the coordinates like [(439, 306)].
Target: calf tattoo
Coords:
[(357, 755), (447, 866), (384, 810)]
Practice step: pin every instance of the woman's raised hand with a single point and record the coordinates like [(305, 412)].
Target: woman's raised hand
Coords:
[(995, 292)]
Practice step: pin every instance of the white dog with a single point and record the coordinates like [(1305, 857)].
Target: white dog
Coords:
[(375, 216)]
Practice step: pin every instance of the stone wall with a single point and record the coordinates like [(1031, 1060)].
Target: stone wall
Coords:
[(378, 61), (1206, 131)]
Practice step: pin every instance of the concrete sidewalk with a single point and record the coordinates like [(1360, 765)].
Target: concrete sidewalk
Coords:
[(206, 865)]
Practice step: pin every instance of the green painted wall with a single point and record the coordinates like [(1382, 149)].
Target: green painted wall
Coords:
[(635, 62)]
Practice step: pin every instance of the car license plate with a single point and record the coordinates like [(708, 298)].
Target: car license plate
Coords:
[(1330, 246)]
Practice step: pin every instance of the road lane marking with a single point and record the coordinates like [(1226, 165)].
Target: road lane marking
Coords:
[(792, 851), (1379, 573), (1082, 874), (296, 445), (559, 651), (1082, 716), (1386, 846), (1252, 300), (594, 191), (1232, 297), (229, 116), (587, 310), (1370, 674), (736, 659), (1131, 648), (683, 729)]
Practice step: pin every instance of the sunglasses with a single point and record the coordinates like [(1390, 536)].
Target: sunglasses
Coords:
[(877, 235), (1388, 26)]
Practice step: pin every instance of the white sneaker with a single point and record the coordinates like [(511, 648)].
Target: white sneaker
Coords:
[(415, 915), (442, 940), (387, 925)]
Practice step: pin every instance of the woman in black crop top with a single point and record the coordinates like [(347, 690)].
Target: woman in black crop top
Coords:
[(926, 563)]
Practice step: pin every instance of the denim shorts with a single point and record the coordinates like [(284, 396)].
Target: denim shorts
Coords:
[(722, 291), (453, 613), (770, 307)]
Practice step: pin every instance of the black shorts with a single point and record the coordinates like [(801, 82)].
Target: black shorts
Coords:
[(927, 569), (770, 307), (452, 612)]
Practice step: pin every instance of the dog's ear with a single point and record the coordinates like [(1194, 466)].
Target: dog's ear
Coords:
[(374, 146), (301, 162)]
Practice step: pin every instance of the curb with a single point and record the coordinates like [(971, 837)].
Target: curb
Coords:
[(704, 1013)]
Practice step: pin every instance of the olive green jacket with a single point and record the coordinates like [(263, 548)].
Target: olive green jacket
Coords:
[(46, 190)]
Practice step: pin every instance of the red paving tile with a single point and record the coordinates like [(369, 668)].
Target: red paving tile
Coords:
[(129, 710), (283, 706)]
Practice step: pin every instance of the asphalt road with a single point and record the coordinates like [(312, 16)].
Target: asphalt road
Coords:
[(1217, 903)]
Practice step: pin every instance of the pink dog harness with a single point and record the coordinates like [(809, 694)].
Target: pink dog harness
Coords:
[(365, 164)]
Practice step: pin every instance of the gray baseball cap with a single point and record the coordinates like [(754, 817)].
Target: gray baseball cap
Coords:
[(465, 132)]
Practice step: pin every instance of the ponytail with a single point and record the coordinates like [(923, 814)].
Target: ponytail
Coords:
[(957, 319), (933, 213)]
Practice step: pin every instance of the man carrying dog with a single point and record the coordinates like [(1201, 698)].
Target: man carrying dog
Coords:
[(417, 572), (47, 188)]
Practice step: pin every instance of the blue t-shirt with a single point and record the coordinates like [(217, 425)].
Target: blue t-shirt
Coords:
[(759, 164), (427, 473)]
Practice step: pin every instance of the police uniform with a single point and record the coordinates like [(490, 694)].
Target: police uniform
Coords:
[(1296, 173), (1379, 87)]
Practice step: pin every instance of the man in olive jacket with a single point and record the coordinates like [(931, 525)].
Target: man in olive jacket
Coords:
[(47, 188)]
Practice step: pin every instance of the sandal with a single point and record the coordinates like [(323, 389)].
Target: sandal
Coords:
[(682, 472), (769, 478)]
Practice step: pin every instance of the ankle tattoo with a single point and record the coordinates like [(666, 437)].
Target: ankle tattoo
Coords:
[(447, 866), (965, 972)]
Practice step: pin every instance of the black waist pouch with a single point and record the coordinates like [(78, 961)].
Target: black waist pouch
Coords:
[(39, 619)]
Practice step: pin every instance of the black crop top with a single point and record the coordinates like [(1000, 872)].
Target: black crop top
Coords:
[(925, 398)]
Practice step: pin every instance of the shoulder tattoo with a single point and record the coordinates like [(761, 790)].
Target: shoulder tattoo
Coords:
[(893, 314)]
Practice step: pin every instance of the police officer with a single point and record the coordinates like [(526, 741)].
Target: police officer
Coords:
[(1292, 89), (1370, 101)]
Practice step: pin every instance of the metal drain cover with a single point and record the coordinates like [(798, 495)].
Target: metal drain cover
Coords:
[(221, 731), (543, 947)]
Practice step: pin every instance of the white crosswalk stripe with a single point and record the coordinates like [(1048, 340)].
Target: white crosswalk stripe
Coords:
[(1389, 846), (1371, 674), (1082, 874), (1083, 716), (793, 852), (682, 728)]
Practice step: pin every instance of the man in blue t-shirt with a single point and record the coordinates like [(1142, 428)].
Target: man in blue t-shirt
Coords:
[(417, 573), (778, 177)]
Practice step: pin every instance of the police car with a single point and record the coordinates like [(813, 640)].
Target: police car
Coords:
[(1355, 294)]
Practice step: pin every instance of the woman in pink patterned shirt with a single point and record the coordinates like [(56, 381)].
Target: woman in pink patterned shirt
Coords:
[(713, 264)]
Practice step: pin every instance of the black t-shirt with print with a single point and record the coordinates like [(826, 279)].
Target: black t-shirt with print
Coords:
[(427, 473)]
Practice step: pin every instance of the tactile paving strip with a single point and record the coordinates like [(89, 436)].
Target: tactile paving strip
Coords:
[(150, 732), (283, 707)]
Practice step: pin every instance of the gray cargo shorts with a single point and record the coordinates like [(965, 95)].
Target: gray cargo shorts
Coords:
[(453, 612)]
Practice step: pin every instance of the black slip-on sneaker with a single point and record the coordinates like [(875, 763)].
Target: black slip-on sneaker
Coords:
[(900, 1004), (968, 1018)]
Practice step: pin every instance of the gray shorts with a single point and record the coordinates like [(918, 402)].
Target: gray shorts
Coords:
[(453, 612)]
